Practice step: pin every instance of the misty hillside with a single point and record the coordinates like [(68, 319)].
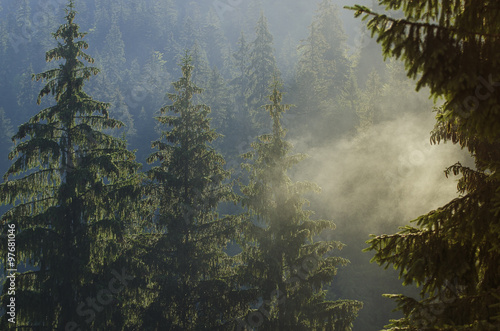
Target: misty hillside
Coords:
[(232, 165)]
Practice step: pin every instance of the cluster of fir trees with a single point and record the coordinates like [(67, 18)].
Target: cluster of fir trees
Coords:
[(135, 82), (234, 80), (452, 253), (86, 218), (324, 86)]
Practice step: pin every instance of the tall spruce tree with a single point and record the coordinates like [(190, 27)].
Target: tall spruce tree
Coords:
[(281, 257), (192, 275), (242, 61), (453, 253), (72, 205), (241, 127), (260, 71)]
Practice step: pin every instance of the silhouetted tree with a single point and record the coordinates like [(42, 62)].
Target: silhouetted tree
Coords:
[(453, 253)]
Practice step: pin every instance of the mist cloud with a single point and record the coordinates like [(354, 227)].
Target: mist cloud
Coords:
[(383, 177)]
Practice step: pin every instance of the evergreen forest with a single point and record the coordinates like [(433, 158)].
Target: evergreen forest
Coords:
[(250, 165)]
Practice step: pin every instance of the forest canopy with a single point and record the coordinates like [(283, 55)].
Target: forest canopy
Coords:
[(220, 165)]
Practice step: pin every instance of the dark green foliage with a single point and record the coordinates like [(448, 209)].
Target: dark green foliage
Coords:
[(453, 253), (192, 279), (282, 259), (73, 191), (137, 45)]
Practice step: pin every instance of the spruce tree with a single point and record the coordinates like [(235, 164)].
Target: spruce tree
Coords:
[(113, 53), (325, 87), (72, 189), (324, 67), (453, 252), (164, 17), (241, 130), (219, 99), (260, 71), (191, 32), (282, 259), (242, 61), (201, 67), (192, 277), (217, 47)]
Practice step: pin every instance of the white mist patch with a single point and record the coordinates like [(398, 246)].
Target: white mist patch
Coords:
[(384, 177)]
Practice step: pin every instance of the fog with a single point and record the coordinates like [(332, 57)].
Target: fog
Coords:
[(374, 182), (372, 158)]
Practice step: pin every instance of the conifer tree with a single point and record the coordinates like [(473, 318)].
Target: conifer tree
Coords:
[(324, 68), (113, 54), (253, 11), (368, 106), (288, 57), (192, 277), (282, 260), (242, 61), (219, 99), (217, 47), (260, 70), (242, 123), (164, 17), (201, 67), (191, 32), (123, 114), (453, 252), (22, 19), (325, 87), (73, 191)]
